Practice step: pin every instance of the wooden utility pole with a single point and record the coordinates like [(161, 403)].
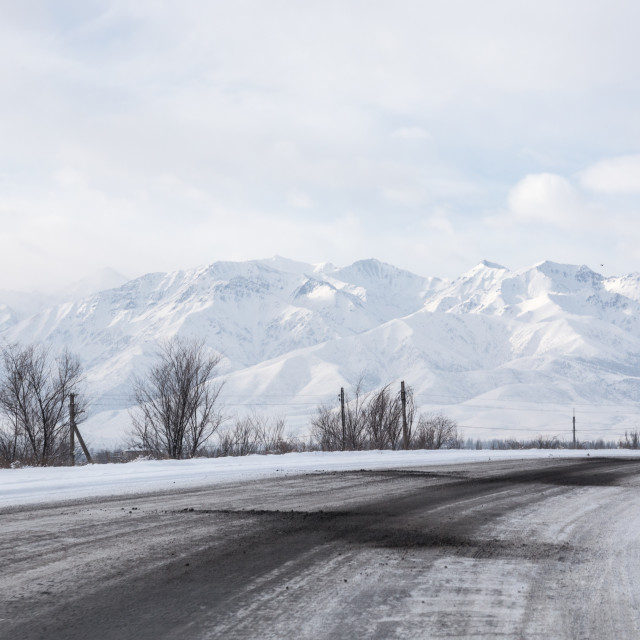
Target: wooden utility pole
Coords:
[(405, 433), (574, 428), (344, 430), (72, 429)]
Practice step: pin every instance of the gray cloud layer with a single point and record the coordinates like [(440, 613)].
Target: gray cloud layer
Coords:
[(157, 135)]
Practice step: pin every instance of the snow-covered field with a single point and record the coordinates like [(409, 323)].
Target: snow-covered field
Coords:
[(33, 485)]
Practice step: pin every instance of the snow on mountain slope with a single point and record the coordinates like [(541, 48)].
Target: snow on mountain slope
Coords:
[(627, 286), (17, 305), (249, 312), (546, 291), (495, 348), (391, 291)]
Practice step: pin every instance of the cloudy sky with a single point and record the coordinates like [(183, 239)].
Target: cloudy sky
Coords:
[(156, 135)]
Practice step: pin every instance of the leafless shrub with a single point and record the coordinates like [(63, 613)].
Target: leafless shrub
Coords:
[(372, 421), (326, 429), (356, 417), (435, 431), (12, 446), (631, 440), (34, 398), (240, 440), (384, 419), (254, 433), (176, 402), (546, 442), (272, 436)]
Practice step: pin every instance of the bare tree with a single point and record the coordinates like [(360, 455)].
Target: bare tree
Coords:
[(176, 402), (34, 398), (13, 446), (384, 419), (356, 416), (631, 440), (372, 421), (326, 428), (272, 436), (242, 439), (435, 431)]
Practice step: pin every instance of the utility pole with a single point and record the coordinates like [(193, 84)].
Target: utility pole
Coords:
[(574, 428), (72, 429), (405, 434), (344, 431)]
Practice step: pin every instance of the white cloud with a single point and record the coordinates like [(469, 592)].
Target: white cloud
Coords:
[(546, 197), (614, 175)]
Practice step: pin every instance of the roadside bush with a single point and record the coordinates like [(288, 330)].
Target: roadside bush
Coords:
[(253, 433), (436, 431), (631, 440), (371, 421)]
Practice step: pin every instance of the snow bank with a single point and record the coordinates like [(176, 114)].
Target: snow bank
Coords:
[(35, 485)]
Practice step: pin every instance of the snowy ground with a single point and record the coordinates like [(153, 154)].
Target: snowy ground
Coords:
[(53, 484)]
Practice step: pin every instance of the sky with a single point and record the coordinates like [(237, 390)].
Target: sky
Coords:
[(158, 135)]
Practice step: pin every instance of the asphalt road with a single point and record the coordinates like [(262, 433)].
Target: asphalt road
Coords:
[(538, 549)]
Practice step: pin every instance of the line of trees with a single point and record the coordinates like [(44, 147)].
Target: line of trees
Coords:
[(542, 442), (631, 440), (375, 421), (177, 413)]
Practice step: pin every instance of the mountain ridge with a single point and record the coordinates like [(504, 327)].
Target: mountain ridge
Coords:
[(550, 335)]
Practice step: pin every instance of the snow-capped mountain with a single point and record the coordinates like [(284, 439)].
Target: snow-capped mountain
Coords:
[(500, 350)]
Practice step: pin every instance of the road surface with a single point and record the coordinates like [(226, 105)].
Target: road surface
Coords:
[(535, 549)]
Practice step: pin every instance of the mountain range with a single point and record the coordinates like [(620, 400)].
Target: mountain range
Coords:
[(506, 353)]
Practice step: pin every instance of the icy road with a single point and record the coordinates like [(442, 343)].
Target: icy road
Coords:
[(516, 549)]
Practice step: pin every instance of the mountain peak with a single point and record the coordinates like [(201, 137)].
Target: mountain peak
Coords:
[(567, 276), (286, 264), (369, 269), (492, 265)]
